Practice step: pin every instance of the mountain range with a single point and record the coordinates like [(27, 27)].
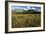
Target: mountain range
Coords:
[(26, 8)]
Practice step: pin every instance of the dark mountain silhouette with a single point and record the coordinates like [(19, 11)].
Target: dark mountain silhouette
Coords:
[(30, 11)]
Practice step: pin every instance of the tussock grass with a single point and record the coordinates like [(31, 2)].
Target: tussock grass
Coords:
[(26, 20)]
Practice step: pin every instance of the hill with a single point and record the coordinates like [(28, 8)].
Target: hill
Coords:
[(30, 11)]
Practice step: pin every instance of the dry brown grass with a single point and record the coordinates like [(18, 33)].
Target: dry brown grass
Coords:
[(26, 20)]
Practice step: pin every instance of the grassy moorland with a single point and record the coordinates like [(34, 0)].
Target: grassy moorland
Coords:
[(24, 18)]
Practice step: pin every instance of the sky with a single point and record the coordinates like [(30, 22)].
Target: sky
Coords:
[(26, 8)]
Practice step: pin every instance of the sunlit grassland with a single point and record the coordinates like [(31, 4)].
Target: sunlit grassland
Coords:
[(26, 20)]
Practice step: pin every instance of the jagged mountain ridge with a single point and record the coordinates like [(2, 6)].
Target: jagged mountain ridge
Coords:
[(26, 11)]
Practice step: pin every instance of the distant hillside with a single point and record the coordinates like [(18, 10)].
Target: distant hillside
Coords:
[(17, 11)]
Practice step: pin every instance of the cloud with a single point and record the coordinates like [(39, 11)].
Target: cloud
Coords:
[(26, 8), (33, 8)]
